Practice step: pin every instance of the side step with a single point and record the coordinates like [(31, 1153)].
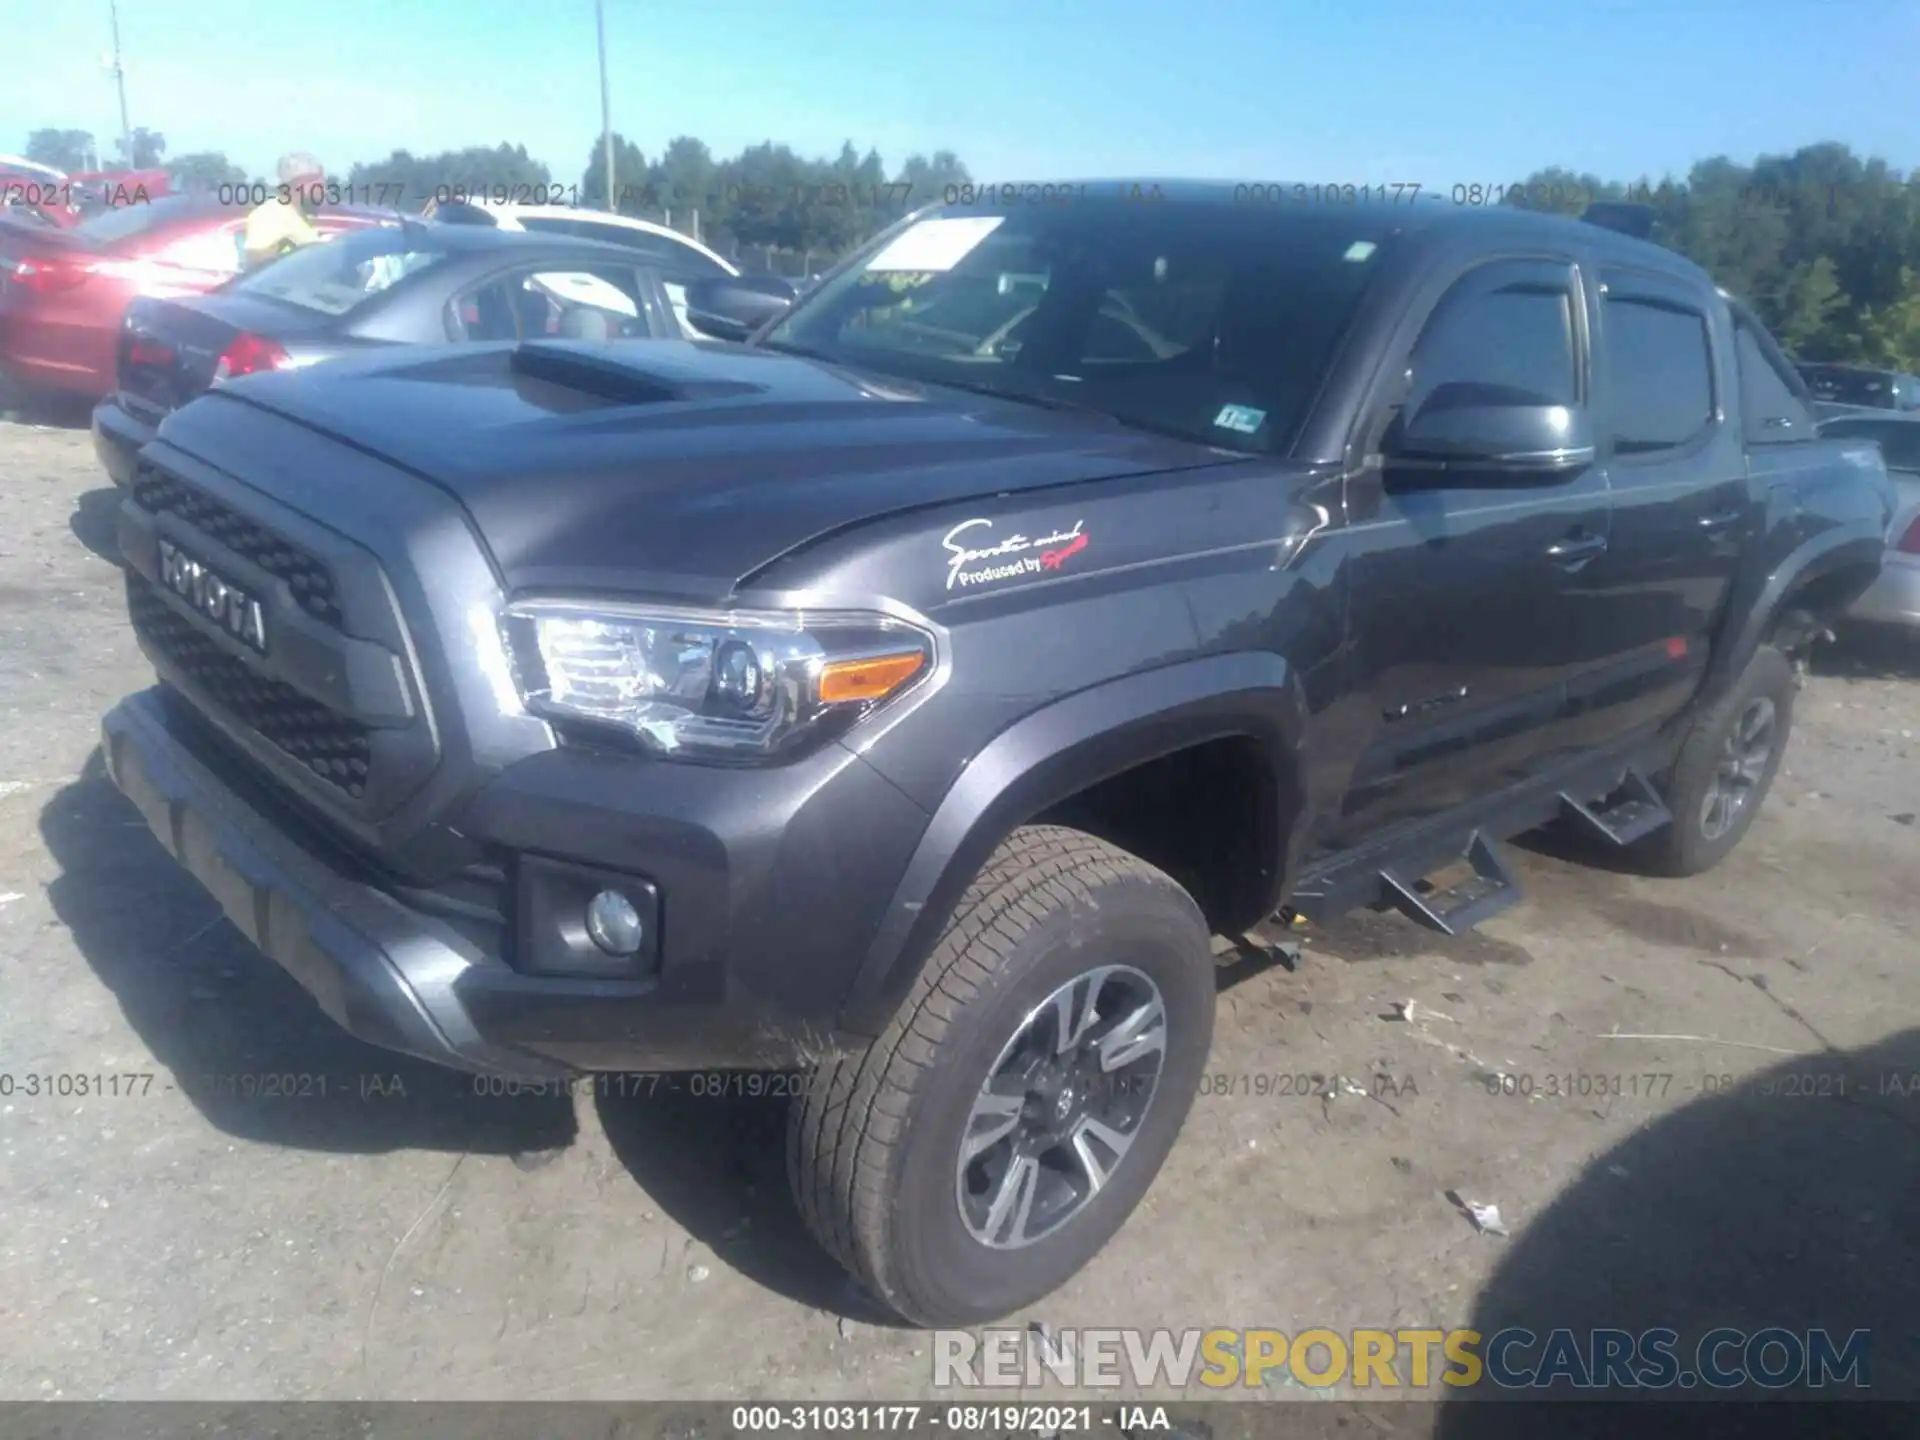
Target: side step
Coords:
[(1632, 811), (1490, 889)]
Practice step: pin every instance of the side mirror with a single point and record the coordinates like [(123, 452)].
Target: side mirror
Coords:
[(1458, 427), (733, 307)]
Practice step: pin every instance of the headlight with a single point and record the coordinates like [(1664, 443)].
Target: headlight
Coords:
[(739, 685)]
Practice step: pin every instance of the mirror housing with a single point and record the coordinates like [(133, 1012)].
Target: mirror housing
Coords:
[(1529, 439), (733, 307)]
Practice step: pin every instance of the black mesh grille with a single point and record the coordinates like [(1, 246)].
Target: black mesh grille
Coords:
[(310, 581), (331, 745)]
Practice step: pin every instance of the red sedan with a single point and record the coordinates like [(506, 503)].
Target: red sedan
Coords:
[(63, 292)]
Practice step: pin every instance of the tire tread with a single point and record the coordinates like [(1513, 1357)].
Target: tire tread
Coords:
[(848, 1122)]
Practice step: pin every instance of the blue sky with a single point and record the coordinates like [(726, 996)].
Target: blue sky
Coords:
[(1338, 91)]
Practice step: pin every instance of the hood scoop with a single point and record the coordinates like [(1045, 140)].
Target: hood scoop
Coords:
[(606, 374)]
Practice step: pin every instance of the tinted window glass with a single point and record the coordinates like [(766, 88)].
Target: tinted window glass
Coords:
[(1662, 373), (1213, 323), (1510, 346), (1770, 410)]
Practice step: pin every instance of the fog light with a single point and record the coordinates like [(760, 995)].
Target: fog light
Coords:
[(613, 924)]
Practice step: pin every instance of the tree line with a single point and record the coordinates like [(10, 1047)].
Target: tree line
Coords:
[(1824, 243)]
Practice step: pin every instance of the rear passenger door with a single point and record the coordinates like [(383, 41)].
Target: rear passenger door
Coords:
[(1677, 477)]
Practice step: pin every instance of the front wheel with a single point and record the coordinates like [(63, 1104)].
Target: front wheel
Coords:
[(1023, 1098), (1724, 769)]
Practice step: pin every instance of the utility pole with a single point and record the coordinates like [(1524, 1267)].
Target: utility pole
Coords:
[(606, 109), (120, 82)]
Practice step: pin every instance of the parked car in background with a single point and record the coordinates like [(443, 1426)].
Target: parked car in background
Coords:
[(1895, 596), (411, 284), (679, 258), (1844, 389), (35, 193), (63, 292)]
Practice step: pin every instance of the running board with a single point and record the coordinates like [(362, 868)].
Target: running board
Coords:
[(1379, 872), (1632, 811), (1490, 889)]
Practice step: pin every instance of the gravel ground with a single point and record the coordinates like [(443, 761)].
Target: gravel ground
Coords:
[(187, 1240)]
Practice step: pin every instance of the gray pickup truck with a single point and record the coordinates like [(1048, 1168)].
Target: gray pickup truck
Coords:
[(903, 697)]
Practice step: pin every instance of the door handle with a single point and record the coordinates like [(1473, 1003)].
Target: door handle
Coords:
[(1576, 549), (1720, 519)]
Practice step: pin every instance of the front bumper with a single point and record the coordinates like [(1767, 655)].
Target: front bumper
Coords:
[(117, 438), (1893, 599), (392, 973)]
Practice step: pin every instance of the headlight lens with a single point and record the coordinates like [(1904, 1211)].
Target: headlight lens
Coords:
[(738, 685)]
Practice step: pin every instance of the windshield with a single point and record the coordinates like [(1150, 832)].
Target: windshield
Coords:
[(1843, 386), (337, 276), (1207, 321)]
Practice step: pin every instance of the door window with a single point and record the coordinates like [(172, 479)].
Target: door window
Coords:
[(586, 302), (1498, 343), (1660, 364)]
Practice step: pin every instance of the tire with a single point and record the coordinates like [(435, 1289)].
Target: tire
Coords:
[(1699, 836), (874, 1144)]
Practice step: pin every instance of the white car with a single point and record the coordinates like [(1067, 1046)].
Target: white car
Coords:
[(676, 255)]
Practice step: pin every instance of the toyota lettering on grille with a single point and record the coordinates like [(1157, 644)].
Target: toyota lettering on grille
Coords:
[(214, 596)]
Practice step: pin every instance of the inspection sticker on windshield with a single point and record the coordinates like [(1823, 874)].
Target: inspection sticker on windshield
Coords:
[(935, 245), (1242, 418)]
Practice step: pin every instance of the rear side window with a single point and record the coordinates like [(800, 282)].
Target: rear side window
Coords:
[(1771, 411), (1661, 367), (1511, 346), (590, 302)]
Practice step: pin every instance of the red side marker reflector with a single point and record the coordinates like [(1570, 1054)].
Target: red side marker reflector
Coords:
[(1677, 648)]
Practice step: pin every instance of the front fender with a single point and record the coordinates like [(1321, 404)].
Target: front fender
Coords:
[(1053, 754)]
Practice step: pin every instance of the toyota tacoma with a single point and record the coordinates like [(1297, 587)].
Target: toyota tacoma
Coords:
[(906, 694)]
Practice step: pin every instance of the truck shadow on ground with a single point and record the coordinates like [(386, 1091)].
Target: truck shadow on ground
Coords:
[(1758, 1207), (717, 1166), (230, 1030), (96, 522)]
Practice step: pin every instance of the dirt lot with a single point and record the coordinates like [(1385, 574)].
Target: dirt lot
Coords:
[(191, 1241)]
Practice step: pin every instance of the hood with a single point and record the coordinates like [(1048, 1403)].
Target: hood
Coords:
[(690, 463)]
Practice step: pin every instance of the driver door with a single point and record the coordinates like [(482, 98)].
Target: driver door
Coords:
[(1470, 597)]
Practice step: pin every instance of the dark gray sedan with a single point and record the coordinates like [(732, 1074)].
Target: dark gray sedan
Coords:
[(406, 284)]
